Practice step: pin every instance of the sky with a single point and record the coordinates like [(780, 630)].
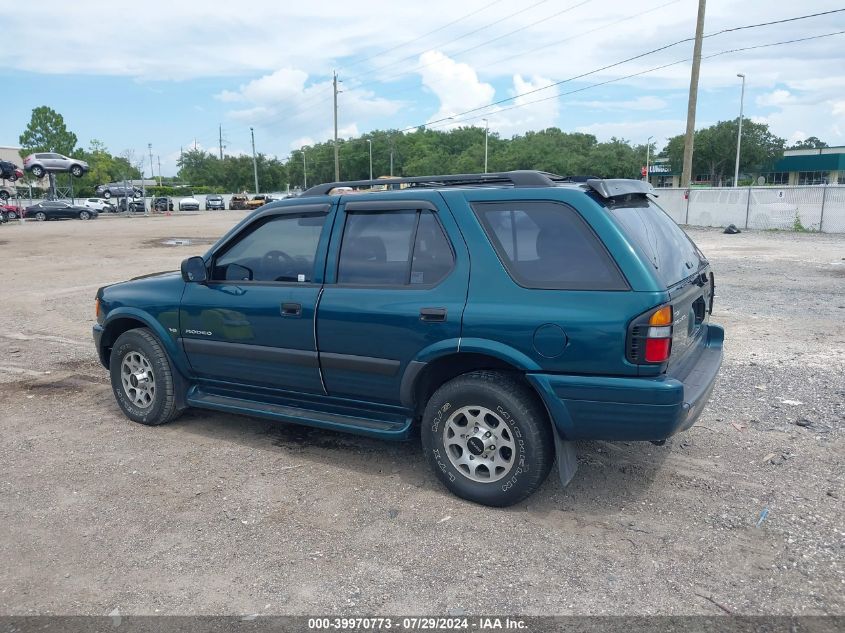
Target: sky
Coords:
[(171, 74)]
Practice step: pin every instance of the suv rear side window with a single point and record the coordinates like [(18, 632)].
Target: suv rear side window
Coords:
[(547, 245), (282, 248), (672, 253), (394, 248)]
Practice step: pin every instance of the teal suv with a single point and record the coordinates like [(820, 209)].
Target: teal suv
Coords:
[(500, 316)]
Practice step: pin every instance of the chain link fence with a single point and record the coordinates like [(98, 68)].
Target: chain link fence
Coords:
[(818, 208)]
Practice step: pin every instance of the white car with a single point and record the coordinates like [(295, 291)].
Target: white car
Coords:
[(189, 204), (99, 204)]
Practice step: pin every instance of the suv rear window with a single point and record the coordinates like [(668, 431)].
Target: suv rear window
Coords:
[(672, 253), (548, 245)]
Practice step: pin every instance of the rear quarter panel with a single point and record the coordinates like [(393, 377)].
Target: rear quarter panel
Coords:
[(594, 323)]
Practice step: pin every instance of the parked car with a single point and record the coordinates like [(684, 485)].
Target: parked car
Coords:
[(585, 317), (117, 189), (257, 201), (238, 201), (162, 203), (9, 171), (58, 210), (99, 204), (214, 201), (189, 204), (11, 211), (132, 206), (43, 162)]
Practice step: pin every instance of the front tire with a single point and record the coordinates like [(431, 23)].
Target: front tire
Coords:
[(38, 171), (76, 170), (84, 215), (142, 378), (107, 194), (488, 438)]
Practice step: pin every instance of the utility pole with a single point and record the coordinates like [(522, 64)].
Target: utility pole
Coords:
[(336, 157), (221, 142), (159, 169), (647, 153), (254, 164), (304, 171), (370, 143), (686, 174), (152, 165), (391, 158), (486, 134), (739, 133)]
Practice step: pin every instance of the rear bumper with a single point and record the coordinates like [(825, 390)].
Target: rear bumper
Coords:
[(618, 409)]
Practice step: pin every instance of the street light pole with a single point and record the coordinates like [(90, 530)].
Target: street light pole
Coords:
[(370, 143), (304, 171), (486, 134), (647, 152), (254, 164), (739, 132)]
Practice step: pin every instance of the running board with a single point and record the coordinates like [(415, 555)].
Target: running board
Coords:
[(383, 426)]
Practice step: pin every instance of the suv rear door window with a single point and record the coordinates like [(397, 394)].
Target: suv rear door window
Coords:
[(394, 248), (673, 255), (547, 245)]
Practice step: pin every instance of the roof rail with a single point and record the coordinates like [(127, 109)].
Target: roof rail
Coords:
[(518, 178)]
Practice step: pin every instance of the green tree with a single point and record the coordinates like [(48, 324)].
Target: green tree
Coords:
[(811, 142), (715, 149), (47, 132)]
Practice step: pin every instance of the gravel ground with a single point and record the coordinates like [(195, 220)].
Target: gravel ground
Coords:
[(216, 514)]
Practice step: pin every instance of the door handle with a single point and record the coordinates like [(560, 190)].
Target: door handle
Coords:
[(432, 314), (291, 310)]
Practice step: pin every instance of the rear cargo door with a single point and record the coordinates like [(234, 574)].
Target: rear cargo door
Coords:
[(678, 263)]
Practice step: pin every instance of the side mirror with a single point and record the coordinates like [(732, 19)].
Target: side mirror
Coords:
[(194, 270)]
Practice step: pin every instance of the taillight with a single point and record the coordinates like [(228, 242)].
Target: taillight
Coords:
[(650, 337)]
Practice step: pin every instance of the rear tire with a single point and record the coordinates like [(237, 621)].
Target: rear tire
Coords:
[(142, 378), (84, 215), (488, 438), (38, 171), (4, 195), (107, 194), (41, 216), (76, 170)]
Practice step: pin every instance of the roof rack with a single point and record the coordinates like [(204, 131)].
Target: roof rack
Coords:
[(518, 178)]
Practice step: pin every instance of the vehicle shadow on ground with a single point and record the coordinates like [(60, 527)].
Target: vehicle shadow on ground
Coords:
[(610, 475)]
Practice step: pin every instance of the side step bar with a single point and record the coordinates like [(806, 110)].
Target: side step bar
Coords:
[(382, 426)]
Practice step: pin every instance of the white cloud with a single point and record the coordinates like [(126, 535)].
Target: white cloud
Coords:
[(646, 103), (638, 131), (456, 85), (528, 115), (775, 98)]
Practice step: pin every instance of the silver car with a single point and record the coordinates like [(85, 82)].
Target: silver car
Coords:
[(46, 162)]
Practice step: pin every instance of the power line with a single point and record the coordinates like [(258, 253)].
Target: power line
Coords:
[(460, 37), (484, 8), (423, 36), (500, 37), (629, 76), (477, 46), (613, 65), (636, 15)]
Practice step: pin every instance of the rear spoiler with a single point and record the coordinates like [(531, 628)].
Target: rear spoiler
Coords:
[(613, 187)]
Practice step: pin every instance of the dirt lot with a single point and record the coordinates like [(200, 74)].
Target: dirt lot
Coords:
[(218, 514)]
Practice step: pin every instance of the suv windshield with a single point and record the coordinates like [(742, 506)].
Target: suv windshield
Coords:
[(672, 253)]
